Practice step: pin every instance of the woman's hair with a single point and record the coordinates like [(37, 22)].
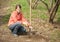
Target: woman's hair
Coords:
[(18, 5)]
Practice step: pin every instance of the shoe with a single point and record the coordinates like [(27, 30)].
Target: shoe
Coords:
[(15, 35)]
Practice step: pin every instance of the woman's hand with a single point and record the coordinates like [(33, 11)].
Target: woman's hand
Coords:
[(30, 28)]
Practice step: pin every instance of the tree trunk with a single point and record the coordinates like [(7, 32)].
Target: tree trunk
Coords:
[(35, 4), (51, 5), (53, 11)]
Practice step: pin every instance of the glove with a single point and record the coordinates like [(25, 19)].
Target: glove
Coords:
[(30, 28)]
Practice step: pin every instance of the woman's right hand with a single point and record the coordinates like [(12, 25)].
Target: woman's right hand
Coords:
[(30, 28)]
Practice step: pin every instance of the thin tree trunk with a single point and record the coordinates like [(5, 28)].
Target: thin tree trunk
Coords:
[(35, 4), (53, 12), (51, 5)]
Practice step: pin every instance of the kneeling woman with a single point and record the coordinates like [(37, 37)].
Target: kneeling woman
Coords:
[(15, 21)]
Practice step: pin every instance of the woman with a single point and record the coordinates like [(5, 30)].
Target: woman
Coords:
[(15, 21)]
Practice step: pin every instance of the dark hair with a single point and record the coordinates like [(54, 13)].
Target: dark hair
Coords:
[(17, 6)]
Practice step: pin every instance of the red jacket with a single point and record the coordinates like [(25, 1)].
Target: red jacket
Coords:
[(15, 17)]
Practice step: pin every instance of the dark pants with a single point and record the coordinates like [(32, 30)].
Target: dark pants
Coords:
[(17, 28)]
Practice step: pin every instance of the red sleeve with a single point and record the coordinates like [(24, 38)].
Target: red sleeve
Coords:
[(12, 18)]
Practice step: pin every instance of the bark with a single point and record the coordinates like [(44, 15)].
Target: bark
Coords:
[(53, 11), (51, 4)]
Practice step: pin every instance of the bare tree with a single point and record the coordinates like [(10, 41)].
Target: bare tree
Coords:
[(52, 9), (34, 3)]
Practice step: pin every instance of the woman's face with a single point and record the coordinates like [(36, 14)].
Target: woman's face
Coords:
[(18, 9)]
